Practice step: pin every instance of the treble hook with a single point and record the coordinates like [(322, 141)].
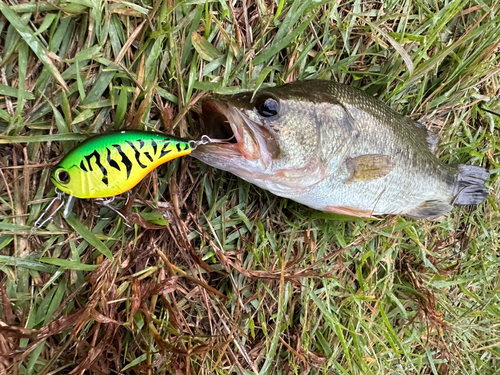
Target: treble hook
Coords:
[(58, 200), (106, 203)]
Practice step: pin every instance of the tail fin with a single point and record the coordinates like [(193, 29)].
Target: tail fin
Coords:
[(469, 187)]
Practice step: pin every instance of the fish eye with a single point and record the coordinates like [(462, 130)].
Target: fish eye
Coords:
[(62, 176), (267, 106)]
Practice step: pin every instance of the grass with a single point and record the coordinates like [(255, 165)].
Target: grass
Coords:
[(241, 281)]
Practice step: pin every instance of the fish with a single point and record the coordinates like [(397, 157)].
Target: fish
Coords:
[(334, 148), (113, 163)]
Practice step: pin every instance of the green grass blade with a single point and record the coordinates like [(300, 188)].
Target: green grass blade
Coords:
[(206, 50), (89, 236), (69, 264), (33, 42), (42, 138), (282, 43), (26, 263), (10, 91)]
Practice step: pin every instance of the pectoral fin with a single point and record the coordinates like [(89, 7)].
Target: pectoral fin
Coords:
[(368, 167)]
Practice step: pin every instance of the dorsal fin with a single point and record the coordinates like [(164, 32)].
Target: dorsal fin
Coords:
[(431, 137)]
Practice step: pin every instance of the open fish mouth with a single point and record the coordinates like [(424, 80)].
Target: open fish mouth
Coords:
[(217, 125), (235, 136)]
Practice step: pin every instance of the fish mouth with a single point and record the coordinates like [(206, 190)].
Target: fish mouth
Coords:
[(234, 135)]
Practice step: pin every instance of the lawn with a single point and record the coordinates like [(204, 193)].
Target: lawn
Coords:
[(212, 275)]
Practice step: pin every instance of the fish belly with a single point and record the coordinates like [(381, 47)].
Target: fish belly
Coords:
[(387, 195)]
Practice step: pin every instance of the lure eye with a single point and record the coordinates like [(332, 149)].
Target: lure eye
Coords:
[(267, 106), (63, 176)]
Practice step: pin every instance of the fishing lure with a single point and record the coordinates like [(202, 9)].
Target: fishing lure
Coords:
[(111, 164)]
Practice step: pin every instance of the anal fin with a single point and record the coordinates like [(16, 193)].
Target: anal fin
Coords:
[(429, 210)]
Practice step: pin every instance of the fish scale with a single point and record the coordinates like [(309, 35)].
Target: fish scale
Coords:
[(113, 163)]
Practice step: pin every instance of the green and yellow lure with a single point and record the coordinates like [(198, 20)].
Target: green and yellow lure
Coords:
[(113, 163)]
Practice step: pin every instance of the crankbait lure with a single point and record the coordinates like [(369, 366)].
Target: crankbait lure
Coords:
[(111, 164)]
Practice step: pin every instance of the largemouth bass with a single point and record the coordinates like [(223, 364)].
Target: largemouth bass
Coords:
[(336, 149)]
